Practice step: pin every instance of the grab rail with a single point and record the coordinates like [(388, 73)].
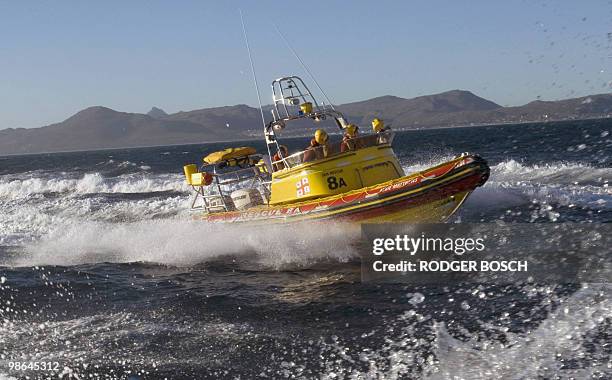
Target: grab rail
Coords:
[(333, 149)]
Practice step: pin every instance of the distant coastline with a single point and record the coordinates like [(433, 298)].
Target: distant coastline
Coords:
[(304, 135), (101, 128)]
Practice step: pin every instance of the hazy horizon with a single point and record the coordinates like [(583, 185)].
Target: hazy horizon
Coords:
[(250, 105), (63, 57)]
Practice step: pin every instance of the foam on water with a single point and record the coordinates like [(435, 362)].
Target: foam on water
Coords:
[(550, 185), (432, 160), (81, 225), (90, 183), (551, 173), (542, 352), (67, 220), (415, 344), (184, 242), (22, 223), (39, 204), (123, 212), (513, 172), (81, 341)]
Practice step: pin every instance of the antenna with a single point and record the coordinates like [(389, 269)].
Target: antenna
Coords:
[(246, 40), (305, 67)]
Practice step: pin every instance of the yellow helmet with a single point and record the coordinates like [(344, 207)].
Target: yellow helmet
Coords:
[(261, 165), (351, 130), (320, 136), (306, 108), (377, 125)]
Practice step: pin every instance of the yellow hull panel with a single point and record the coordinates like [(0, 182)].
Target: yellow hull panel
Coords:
[(339, 174), (434, 212), (432, 195)]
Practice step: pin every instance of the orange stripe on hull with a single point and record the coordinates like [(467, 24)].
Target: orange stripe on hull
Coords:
[(439, 191)]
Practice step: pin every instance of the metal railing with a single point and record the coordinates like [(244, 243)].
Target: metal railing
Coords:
[(217, 198), (333, 149)]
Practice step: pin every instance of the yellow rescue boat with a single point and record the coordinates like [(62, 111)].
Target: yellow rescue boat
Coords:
[(356, 179)]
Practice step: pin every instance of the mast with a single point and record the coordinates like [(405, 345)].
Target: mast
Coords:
[(263, 119)]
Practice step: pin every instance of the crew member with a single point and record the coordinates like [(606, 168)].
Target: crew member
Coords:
[(277, 159), (378, 126), (318, 147), (350, 139)]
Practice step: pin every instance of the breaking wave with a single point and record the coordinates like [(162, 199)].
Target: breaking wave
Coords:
[(145, 216), (90, 183), (561, 184), (560, 338), (180, 242), (513, 183), (542, 352), (512, 171), (33, 207)]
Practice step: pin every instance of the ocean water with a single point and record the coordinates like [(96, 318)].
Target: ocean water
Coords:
[(103, 270)]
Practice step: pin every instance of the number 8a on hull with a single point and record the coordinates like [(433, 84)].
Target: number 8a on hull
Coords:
[(335, 183)]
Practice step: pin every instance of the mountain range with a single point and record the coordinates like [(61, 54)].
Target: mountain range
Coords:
[(100, 127)]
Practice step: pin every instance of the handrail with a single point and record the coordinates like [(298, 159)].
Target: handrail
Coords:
[(333, 149)]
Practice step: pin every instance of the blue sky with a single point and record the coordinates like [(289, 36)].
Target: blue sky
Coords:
[(58, 57)]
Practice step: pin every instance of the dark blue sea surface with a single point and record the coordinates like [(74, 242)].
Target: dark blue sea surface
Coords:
[(104, 270)]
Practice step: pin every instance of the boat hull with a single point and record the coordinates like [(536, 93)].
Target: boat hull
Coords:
[(429, 196)]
